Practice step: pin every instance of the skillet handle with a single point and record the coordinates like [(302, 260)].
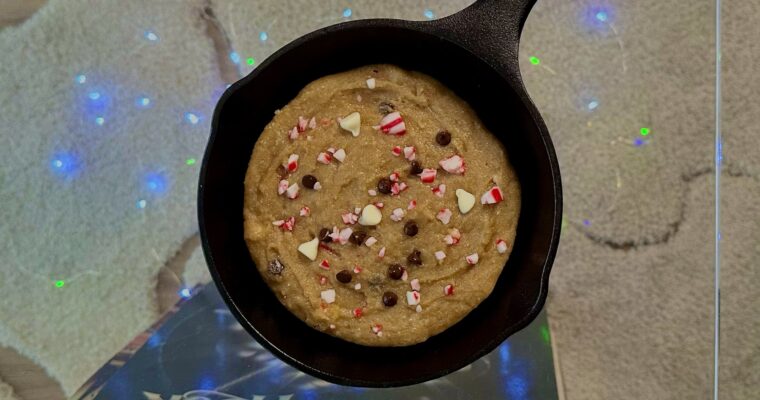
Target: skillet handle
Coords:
[(491, 29)]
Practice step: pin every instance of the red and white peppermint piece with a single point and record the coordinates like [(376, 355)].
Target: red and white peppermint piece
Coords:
[(428, 175), (305, 211), (279, 222), (282, 186), (440, 255), (492, 196), (345, 234), (324, 158), (377, 329), (331, 150), (397, 214), (313, 123), (379, 204), (357, 312), (472, 259), (444, 215), (370, 241), (448, 290), (302, 124), (293, 133), (292, 191), (396, 151), (413, 298), (402, 186), (349, 218), (289, 224), (357, 269), (393, 124), (340, 155), (453, 237), (404, 276), (409, 153), (317, 186), (381, 253), (439, 190), (335, 234), (322, 279), (324, 264), (394, 176), (328, 295), (292, 164), (395, 189), (501, 246), (358, 286), (453, 165), (372, 192), (415, 283), (412, 205)]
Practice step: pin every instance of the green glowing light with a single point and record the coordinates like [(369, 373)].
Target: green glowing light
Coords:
[(644, 131), (535, 60), (59, 284), (190, 161), (545, 334), (250, 61)]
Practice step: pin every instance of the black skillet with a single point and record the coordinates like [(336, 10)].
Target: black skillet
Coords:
[(473, 52)]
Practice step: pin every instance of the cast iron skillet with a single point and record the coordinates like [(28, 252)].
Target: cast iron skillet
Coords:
[(473, 52)]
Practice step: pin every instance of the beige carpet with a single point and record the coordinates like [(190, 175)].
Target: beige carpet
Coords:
[(631, 294)]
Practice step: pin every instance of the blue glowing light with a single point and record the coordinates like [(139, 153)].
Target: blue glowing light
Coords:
[(151, 36), (586, 222), (592, 105), (601, 16), (347, 12), (428, 14), (185, 293), (638, 142), (192, 118), (143, 102), (64, 164), (504, 355), (235, 57), (154, 340), (598, 17), (156, 182), (141, 204), (100, 121), (93, 95), (517, 387), (206, 383), (263, 36), (80, 79)]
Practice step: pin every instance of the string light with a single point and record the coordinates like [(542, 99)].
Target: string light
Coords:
[(59, 284), (192, 118), (347, 12), (143, 102), (156, 182), (535, 60), (94, 95), (592, 105), (638, 142), (190, 161), (601, 16), (151, 36), (250, 61), (100, 121), (185, 293), (141, 204), (263, 36), (235, 57), (586, 222), (64, 164), (428, 13), (545, 333), (80, 79), (644, 131)]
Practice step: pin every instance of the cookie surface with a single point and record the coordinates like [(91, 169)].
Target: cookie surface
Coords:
[(414, 217)]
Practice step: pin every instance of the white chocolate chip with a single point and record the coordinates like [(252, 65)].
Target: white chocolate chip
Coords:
[(358, 286), (440, 255), (371, 83), (415, 283), (472, 259), (292, 191), (328, 296), (412, 298), (351, 122), (371, 215), (309, 249), (317, 186), (465, 200), (397, 214), (501, 246)]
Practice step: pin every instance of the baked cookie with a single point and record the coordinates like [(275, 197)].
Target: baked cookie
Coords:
[(378, 208)]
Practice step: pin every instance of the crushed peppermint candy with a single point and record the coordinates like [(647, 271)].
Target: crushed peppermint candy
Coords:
[(328, 295), (381, 253), (344, 235), (439, 190), (313, 123), (282, 186), (372, 192), (324, 264), (428, 175), (302, 124), (317, 186), (357, 312), (415, 283), (340, 155), (397, 214), (358, 286), (292, 191), (357, 269), (377, 329), (370, 241), (398, 187), (413, 298), (444, 215), (453, 237), (292, 164), (371, 83), (448, 290), (419, 308), (287, 224), (394, 176), (404, 276), (393, 124), (492, 196), (501, 246), (472, 259), (396, 151), (305, 211), (379, 204), (440, 255), (322, 280), (324, 158), (293, 133), (412, 205), (349, 218), (410, 153), (453, 165)]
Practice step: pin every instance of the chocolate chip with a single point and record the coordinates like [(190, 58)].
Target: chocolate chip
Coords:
[(443, 138), (282, 172), (358, 237), (384, 185), (390, 299), (410, 228), (343, 276), (309, 181), (395, 271), (415, 168), (324, 235), (386, 108), (414, 257), (275, 267)]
